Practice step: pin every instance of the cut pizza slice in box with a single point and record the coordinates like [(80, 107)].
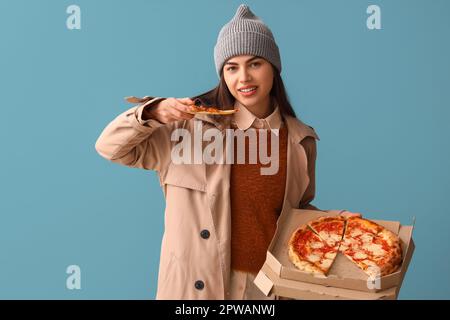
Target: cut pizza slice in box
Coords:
[(325, 249)]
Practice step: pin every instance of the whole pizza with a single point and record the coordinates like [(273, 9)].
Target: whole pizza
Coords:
[(313, 247)]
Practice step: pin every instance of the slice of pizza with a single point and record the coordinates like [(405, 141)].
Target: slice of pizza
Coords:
[(371, 247), (361, 225), (196, 108), (309, 253), (329, 229), (374, 263), (199, 108), (358, 231), (210, 110)]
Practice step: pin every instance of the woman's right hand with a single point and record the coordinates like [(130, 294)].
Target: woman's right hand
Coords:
[(169, 110)]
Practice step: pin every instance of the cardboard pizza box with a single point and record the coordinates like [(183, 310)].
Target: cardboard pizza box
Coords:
[(344, 274), (270, 283)]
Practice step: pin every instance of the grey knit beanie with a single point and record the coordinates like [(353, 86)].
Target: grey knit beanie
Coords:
[(245, 34)]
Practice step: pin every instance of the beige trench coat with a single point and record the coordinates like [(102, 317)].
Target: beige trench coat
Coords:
[(193, 266)]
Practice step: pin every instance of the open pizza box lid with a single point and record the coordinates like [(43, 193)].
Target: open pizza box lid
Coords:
[(343, 274)]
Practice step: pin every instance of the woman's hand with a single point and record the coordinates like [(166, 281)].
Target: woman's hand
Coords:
[(170, 109), (348, 214)]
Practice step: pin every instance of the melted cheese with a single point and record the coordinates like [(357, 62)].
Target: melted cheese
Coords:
[(324, 235), (313, 258), (360, 255), (376, 249), (330, 255), (367, 238), (349, 242), (316, 245), (356, 233), (336, 237), (330, 239), (370, 263), (326, 263)]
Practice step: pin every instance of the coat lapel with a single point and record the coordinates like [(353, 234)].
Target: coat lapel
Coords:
[(297, 178)]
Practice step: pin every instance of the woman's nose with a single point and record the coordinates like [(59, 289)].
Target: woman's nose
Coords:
[(245, 75)]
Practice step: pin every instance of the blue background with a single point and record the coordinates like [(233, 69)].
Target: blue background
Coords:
[(379, 100)]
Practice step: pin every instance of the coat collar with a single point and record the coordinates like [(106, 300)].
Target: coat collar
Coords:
[(297, 129)]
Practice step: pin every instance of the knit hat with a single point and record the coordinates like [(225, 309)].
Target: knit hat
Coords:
[(245, 34)]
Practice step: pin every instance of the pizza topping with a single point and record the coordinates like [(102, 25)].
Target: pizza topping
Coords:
[(198, 107), (356, 233), (376, 249), (367, 237), (383, 243), (301, 240), (330, 237), (314, 247), (329, 229), (313, 258), (330, 255), (326, 249), (360, 255), (326, 263)]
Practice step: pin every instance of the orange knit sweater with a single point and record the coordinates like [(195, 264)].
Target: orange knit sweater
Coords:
[(256, 203)]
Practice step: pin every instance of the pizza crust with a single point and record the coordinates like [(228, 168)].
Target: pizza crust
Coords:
[(316, 256)]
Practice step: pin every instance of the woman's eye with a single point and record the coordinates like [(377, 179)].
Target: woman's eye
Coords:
[(253, 65)]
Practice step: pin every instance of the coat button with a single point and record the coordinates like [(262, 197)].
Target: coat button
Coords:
[(204, 234), (199, 285)]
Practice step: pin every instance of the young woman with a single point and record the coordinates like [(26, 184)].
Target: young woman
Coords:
[(221, 217)]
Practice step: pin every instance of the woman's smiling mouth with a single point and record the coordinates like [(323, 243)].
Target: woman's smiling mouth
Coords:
[(247, 91)]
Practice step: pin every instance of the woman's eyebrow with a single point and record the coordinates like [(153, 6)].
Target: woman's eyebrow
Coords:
[(249, 60)]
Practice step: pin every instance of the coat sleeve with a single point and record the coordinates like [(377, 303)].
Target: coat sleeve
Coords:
[(310, 145), (133, 142)]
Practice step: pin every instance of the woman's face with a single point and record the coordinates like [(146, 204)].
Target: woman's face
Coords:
[(246, 72)]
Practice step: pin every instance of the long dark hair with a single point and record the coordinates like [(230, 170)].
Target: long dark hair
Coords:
[(222, 98)]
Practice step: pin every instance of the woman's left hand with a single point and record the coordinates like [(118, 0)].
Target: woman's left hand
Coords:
[(348, 214)]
